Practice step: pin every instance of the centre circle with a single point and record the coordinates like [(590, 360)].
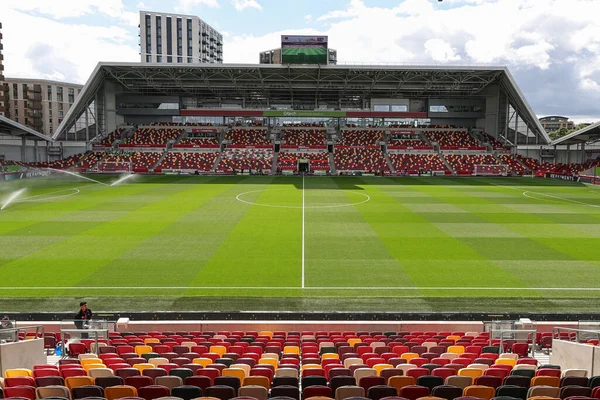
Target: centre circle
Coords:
[(361, 197)]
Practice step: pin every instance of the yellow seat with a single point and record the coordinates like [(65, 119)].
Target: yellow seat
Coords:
[(257, 381), (15, 372), (220, 350), (506, 361), (453, 337), (88, 367), (76, 381), (456, 349), (381, 367), (266, 333), (483, 392), (269, 361), (352, 342), (237, 372), (142, 349), (88, 361), (245, 367), (117, 392), (142, 366), (202, 361), (311, 366), (399, 382), (409, 356), (327, 356), (553, 381), (151, 340), (472, 372), (291, 350)]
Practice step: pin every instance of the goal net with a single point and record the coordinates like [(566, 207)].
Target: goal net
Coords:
[(490, 170), (109, 166)]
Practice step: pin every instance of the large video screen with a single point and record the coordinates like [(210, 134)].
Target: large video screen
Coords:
[(303, 49)]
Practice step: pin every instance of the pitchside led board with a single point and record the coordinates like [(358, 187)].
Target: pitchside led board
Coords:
[(303, 49)]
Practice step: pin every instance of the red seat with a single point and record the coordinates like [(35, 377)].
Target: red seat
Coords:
[(139, 381), (153, 392), (212, 373), (413, 392), (417, 372), (19, 381), (317, 390), (27, 392)]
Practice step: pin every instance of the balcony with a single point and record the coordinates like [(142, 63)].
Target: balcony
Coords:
[(37, 123), (204, 34), (34, 89), (212, 39)]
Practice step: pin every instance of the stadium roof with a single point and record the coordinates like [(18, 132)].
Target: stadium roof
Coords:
[(262, 84), (12, 128), (589, 134)]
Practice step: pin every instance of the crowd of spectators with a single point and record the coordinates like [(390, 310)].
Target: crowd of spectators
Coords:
[(238, 159), (198, 161)]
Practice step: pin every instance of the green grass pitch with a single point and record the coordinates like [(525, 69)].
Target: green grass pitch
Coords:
[(312, 244)]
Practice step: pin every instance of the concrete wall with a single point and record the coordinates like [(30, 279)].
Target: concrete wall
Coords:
[(576, 355), (23, 354)]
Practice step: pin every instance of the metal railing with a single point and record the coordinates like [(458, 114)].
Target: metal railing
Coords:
[(516, 335), (14, 334), (101, 324), (75, 335), (575, 335)]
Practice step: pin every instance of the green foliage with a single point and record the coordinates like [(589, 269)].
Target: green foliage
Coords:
[(187, 243)]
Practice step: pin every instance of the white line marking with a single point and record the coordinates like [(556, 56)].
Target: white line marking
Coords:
[(239, 198), (28, 199), (559, 198), (590, 289), (303, 231)]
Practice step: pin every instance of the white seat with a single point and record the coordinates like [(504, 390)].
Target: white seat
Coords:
[(245, 367), (525, 366), (362, 372), (352, 361), (575, 372), (286, 372), (512, 356), (156, 361), (482, 367), (449, 356), (406, 367)]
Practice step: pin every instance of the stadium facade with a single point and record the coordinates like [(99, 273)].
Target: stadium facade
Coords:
[(484, 100), (178, 39)]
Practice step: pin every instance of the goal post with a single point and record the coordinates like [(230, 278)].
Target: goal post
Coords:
[(490, 170), (112, 166)]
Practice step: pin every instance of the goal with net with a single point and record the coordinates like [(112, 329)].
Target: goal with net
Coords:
[(490, 170), (110, 166)]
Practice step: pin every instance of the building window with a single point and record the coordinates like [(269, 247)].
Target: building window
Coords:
[(71, 95), (148, 58), (169, 40), (60, 113), (158, 39)]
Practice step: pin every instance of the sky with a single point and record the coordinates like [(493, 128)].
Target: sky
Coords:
[(552, 47)]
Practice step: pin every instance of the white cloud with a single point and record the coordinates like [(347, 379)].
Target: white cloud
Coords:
[(64, 51), (308, 18), (187, 5), (440, 50), (241, 5), (72, 9)]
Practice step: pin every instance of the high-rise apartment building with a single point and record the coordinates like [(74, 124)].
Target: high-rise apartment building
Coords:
[(39, 104), (178, 39), (2, 87)]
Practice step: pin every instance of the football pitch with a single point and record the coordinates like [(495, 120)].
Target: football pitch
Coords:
[(153, 243)]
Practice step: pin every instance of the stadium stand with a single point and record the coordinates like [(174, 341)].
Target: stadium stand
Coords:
[(409, 143), (360, 137), (111, 138), (247, 137), (140, 161), (414, 163), (150, 137), (90, 160), (197, 161), (238, 159), (453, 139), (367, 159), (513, 163), (303, 137), (197, 142), (464, 164), (319, 161), (300, 364)]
